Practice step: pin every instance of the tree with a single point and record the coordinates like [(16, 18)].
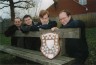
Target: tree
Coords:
[(25, 5)]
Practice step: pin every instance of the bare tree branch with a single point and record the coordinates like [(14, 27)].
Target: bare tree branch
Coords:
[(4, 7), (22, 7), (4, 3), (28, 2), (23, 4), (20, 2)]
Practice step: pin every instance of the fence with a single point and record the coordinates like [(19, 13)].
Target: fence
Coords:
[(89, 19)]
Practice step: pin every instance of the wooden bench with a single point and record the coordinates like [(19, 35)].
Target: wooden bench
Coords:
[(63, 33), (37, 56)]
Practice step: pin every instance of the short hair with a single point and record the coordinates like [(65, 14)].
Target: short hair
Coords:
[(26, 16), (67, 12), (43, 12), (18, 18)]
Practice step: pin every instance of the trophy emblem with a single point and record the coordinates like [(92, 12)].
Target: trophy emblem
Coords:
[(50, 46)]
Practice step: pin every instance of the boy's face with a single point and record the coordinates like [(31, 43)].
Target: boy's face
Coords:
[(45, 19), (18, 22), (28, 21), (64, 18)]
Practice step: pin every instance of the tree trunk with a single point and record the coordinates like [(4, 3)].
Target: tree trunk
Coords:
[(12, 10)]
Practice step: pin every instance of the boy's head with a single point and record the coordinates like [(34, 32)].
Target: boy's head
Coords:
[(44, 16), (27, 19), (17, 21), (64, 17)]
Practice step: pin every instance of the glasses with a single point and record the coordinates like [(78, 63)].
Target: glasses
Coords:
[(62, 18)]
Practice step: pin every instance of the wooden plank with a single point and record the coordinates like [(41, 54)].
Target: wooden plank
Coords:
[(63, 33), (32, 56), (62, 47)]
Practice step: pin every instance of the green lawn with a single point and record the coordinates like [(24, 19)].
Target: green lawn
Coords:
[(4, 40), (91, 39)]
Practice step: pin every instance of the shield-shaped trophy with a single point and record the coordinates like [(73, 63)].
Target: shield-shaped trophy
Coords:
[(50, 46)]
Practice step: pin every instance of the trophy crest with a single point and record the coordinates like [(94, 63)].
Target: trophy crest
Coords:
[(50, 45)]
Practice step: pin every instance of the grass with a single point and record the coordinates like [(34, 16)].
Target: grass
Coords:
[(4, 40), (91, 39)]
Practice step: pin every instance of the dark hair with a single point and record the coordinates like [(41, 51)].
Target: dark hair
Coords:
[(26, 16), (43, 12), (67, 12)]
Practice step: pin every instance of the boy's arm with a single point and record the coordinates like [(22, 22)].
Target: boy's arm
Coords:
[(10, 31)]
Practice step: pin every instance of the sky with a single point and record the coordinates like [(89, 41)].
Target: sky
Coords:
[(4, 12), (40, 4)]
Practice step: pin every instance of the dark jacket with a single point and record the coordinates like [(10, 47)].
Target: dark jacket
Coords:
[(27, 28), (34, 43), (10, 32), (29, 42), (47, 26), (50, 25), (76, 48)]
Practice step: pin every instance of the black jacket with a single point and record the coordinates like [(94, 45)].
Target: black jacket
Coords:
[(30, 42), (27, 28), (10, 32), (47, 26), (76, 48)]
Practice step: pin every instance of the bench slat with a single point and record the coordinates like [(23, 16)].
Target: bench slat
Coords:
[(71, 33), (36, 56)]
